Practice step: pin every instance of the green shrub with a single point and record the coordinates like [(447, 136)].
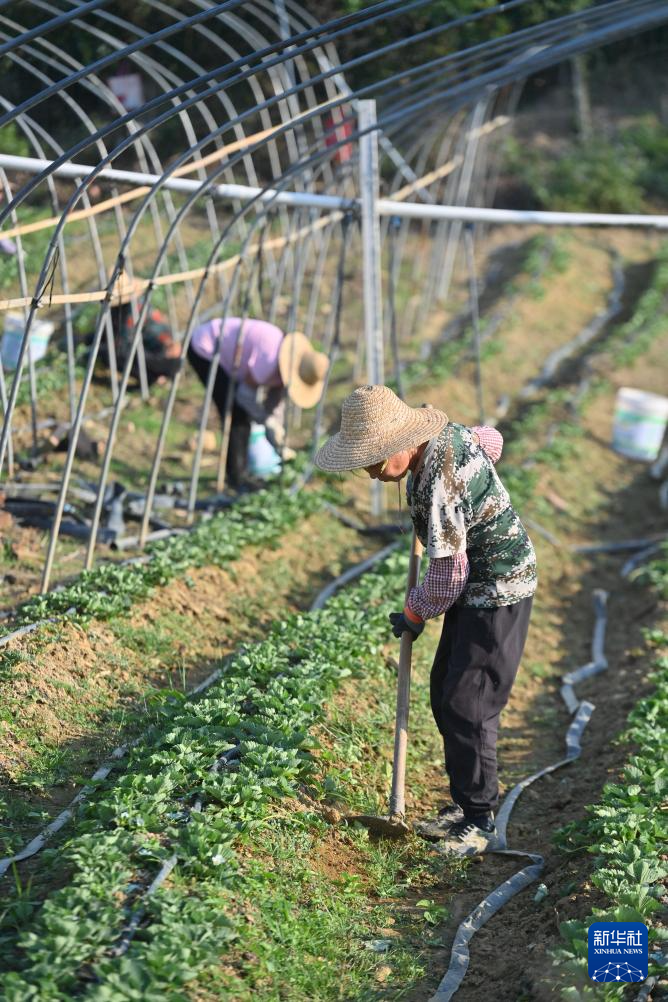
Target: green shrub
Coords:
[(650, 139), (597, 176), (13, 142)]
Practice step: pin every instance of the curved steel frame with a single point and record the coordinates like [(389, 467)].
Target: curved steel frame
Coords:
[(278, 77)]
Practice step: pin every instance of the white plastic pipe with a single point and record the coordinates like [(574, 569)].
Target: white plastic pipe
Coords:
[(385, 206)]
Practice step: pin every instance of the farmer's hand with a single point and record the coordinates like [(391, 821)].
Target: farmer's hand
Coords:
[(275, 430), (401, 623)]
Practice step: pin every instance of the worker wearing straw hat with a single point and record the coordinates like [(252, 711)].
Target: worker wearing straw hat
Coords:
[(482, 574), (266, 364)]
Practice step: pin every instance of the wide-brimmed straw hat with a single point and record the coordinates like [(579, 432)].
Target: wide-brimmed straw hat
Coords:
[(375, 424), (303, 369), (125, 289)]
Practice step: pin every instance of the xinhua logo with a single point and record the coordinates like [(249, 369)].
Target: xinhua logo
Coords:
[(617, 951)]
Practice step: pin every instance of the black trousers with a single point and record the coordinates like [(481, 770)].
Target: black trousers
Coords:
[(237, 454), (473, 672)]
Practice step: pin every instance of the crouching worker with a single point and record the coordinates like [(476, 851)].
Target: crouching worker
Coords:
[(481, 574), (266, 364), (161, 352)]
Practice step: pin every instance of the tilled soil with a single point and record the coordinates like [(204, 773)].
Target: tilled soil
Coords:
[(78, 675)]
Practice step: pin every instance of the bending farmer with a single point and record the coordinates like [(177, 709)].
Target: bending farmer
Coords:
[(260, 357), (161, 352), (482, 574)]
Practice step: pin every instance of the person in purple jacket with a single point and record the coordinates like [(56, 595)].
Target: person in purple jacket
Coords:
[(265, 364)]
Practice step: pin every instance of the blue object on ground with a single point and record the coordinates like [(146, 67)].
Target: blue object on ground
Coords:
[(263, 460)]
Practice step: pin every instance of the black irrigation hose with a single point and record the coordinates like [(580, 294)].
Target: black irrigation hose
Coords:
[(98, 3), (217, 502), (351, 575), (30, 628), (65, 816), (581, 711), (621, 545), (365, 530), (639, 558), (62, 819), (138, 912), (41, 839)]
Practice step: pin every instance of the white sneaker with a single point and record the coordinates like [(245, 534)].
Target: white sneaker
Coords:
[(439, 827), (465, 838)]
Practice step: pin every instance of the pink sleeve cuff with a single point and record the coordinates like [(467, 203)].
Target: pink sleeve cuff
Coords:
[(443, 583), (490, 440)]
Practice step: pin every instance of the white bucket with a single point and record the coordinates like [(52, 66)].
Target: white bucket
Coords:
[(639, 423), (12, 339)]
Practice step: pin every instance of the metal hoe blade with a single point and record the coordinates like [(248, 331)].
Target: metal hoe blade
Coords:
[(393, 825)]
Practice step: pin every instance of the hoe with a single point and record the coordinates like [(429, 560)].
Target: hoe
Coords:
[(394, 823)]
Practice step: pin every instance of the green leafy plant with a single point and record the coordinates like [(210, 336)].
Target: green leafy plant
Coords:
[(111, 589), (656, 573), (265, 703), (627, 833), (13, 142), (650, 139)]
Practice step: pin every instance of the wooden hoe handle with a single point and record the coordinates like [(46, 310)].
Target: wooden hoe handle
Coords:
[(397, 797)]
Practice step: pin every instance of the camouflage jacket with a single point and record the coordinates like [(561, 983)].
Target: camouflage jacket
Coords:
[(459, 505)]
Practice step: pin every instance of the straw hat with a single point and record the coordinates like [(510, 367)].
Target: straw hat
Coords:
[(375, 424), (125, 289), (303, 370)]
